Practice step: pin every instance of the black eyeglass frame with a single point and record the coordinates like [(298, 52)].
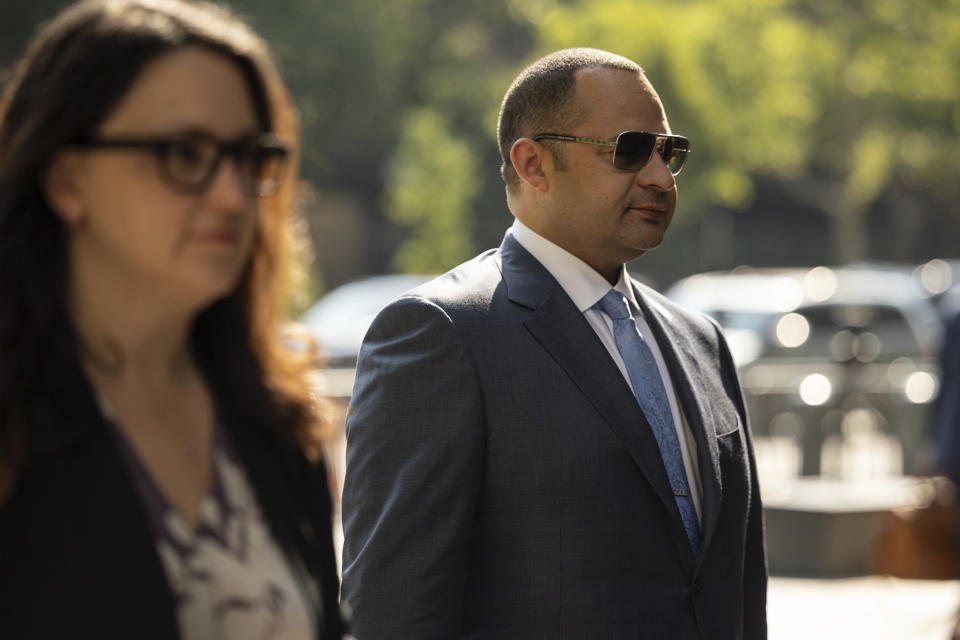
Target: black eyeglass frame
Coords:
[(660, 141), (261, 148)]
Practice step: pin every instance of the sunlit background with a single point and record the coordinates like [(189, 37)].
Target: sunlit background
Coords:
[(818, 223)]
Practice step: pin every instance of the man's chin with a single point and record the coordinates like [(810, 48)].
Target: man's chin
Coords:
[(640, 246)]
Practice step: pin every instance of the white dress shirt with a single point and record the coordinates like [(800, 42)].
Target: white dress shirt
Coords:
[(586, 287)]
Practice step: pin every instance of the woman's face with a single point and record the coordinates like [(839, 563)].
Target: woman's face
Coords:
[(130, 225)]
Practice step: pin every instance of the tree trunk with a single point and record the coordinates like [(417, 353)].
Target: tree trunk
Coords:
[(849, 232)]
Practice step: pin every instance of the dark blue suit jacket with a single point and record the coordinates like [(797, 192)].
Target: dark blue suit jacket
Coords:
[(502, 481)]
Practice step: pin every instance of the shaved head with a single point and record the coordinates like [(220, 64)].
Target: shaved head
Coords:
[(542, 99)]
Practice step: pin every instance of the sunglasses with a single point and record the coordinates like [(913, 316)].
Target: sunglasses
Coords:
[(189, 162), (633, 149)]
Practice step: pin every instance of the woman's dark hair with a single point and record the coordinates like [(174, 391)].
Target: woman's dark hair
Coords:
[(74, 73)]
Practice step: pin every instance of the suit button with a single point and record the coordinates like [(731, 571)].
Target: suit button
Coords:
[(697, 588)]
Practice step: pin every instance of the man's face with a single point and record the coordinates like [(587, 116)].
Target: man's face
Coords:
[(605, 216)]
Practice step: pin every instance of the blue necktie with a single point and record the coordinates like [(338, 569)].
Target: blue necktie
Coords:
[(650, 393)]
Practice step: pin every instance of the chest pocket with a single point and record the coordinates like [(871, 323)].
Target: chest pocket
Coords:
[(727, 423)]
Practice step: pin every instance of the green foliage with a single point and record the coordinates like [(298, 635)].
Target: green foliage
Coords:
[(843, 99), (367, 75), (840, 102), (431, 189)]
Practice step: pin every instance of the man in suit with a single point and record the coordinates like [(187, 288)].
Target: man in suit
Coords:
[(539, 446)]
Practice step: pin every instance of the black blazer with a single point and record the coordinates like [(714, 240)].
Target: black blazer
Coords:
[(502, 481), (77, 554)]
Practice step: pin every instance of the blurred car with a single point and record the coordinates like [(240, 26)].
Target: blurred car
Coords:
[(340, 319), (937, 279), (826, 353)]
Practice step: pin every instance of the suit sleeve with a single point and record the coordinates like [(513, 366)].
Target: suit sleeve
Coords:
[(414, 464), (755, 574)]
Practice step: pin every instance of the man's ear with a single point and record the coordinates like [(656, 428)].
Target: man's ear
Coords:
[(62, 188), (533, 163)]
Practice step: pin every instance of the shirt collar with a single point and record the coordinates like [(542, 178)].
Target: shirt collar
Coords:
[(578, 279)]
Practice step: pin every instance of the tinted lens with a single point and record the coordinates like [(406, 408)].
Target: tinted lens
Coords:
[(633, 150), (674, 153)]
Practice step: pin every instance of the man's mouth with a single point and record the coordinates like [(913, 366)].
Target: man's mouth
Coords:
[(652, 213)]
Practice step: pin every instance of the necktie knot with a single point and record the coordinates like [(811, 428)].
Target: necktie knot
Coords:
[(615, 305)]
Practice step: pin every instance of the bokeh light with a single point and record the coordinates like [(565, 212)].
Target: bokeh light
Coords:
[(815, 389), (792, 330)]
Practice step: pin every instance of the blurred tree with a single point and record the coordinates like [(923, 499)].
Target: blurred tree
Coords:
[(840, 101), (431, 190), (385, 178), (398, 104), (846, 108)]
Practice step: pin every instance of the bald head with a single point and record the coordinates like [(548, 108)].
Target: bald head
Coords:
[(543, 98)]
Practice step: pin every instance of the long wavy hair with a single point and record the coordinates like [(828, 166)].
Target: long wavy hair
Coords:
[(76, 70)]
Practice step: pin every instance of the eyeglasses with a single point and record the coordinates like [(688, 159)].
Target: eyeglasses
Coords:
[(188, 163), (633, 149)]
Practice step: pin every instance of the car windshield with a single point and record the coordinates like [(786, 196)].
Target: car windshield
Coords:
[(836, 331)]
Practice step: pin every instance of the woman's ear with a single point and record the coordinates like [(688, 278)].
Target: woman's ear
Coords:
[(532, 162), (61, 187)]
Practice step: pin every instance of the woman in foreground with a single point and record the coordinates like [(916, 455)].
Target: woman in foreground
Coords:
[(160, 471)]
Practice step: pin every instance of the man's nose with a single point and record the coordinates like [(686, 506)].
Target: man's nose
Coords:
[(656, 173)]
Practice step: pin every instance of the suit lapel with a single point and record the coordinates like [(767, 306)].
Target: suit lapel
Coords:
[(686, 375), (557, 324)]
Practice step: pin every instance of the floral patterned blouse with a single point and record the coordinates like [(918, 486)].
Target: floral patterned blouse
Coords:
[(229, 577)]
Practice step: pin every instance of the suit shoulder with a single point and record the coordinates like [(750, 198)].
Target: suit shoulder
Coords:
[(468, 286)]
